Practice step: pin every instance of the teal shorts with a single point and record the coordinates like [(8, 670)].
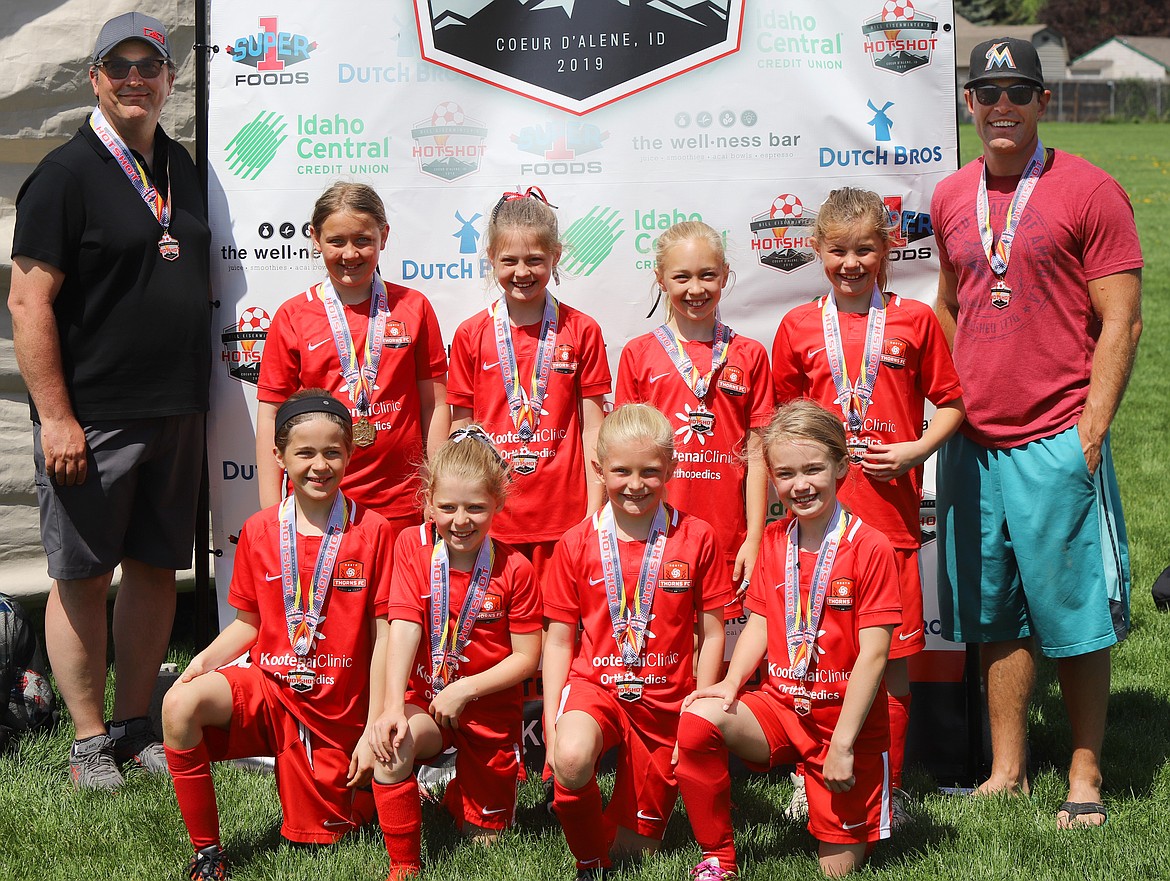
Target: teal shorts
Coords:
[(1031, 545)]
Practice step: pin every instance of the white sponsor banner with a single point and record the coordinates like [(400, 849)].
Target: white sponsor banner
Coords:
[(630, 117)]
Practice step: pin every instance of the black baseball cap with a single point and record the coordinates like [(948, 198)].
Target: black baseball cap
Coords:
[(132, 26), (1007, 58)]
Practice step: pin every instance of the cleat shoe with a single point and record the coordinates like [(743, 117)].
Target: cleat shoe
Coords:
[(593, 873), (899, 815), (135, 744), (710, 870), (209, 864), (797, 810), (92, 765)]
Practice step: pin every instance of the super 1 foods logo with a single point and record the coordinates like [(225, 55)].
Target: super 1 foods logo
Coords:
[(271, 52), (782, 235), (900, 38), (577, 55)]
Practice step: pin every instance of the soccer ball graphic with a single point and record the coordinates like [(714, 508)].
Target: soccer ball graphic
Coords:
[(786, 207), (447, 113), (897, 11), (254, 319)]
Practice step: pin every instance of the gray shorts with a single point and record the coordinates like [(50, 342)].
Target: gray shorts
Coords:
[(138, 501)]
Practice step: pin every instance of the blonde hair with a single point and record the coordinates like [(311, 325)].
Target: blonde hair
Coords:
[(686, 231), (528, 212), (468, 455), (635, 422), (351, 199), (806, 421), (848, 208)]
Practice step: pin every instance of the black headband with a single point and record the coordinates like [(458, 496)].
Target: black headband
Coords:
[(314, 404)]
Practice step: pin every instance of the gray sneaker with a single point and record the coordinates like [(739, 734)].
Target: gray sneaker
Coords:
[(797, 810), (92, 765), (899, 815), (135, 744)]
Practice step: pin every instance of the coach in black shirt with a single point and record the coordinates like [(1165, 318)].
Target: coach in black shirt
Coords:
[(109, 303)]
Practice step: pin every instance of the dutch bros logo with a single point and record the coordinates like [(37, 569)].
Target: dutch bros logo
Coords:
[(271, 49)]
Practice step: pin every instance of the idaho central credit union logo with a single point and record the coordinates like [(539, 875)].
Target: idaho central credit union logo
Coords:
[(243, 344), (577, 55), (448, 144), (271, 50), (782, 236), (900, 38)]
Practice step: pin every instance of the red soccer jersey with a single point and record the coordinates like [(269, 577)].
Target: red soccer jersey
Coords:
[(337, 706), (541, 505), (693, 577), (711, 471), (300, 353), (863, 592), (512, 604), (915, 366)]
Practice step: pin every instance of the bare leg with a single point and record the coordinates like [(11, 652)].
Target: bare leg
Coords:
[(631, 845), (1009, 670), (144, 611), (75, 639), (840, 859), (1084, 682)]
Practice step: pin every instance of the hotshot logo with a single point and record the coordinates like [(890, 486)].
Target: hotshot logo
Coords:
[(900, 38), (782, 236), (270, 50), (243, 344), (450, 144)]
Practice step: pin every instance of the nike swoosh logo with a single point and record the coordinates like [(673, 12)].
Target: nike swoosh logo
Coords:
[(593, 581), (659, 376), (642, 815), (275, 577), (491, 366), (904, 636), (314, 346), (487, 812), (852, 825), (812, 353)]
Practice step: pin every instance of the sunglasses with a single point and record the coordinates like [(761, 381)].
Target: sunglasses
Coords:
[(1019, 95), (119, 68)]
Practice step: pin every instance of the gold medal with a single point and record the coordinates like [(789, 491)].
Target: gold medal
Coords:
[(364, 432)]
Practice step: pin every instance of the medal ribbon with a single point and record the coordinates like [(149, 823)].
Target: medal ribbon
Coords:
[(630, 620), (525, 406), (999, 253), (302, 609), (359, 381), (135, 173), (449, 638), (699, 385), (854, 398), (801, 624)]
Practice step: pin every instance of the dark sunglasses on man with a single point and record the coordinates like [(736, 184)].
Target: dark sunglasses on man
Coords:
[(118, 68), (1019, 94)]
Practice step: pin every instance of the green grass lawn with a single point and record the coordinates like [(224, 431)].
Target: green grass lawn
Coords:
[(49, 832)]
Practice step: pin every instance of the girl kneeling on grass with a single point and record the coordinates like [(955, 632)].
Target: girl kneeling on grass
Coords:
[(637, 575), (464, 633), (824, 602), (311, 581)]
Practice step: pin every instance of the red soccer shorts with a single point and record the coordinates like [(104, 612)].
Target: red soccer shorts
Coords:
[(910, 637)]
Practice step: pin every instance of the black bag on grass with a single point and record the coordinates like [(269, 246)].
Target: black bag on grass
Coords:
[(26, 698)]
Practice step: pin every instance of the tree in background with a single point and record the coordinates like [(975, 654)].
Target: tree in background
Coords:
[(1087, 24), (990, 12)]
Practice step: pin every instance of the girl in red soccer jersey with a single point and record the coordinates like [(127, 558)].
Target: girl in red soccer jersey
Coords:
[(373, 342), (465, 632), (714, 386), (900, 358), (533, 372), (824, 601), (637, 575), (311, 583)]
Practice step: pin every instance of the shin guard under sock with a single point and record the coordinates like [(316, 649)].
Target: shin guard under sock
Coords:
[(195, 793), (705, 785)]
